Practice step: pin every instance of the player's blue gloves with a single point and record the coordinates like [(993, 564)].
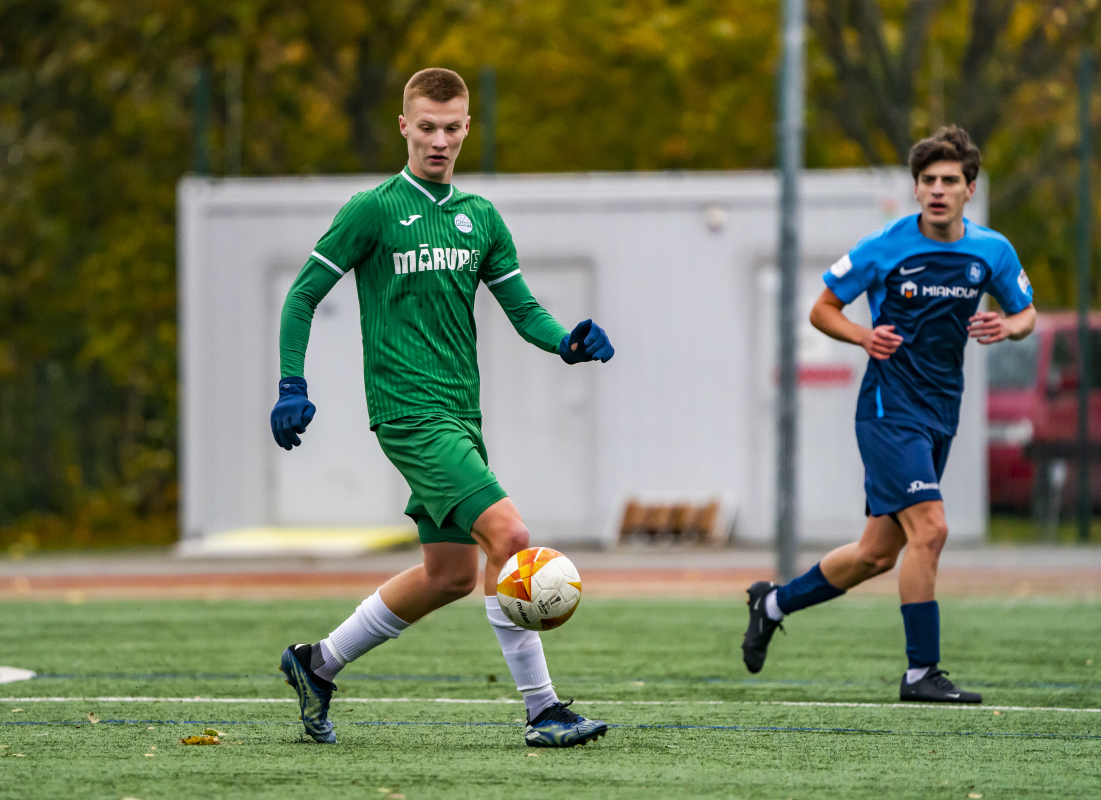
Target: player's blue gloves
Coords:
[(592, 344), (292, 412)]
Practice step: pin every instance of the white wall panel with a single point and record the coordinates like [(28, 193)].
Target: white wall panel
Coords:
[(677, 267)]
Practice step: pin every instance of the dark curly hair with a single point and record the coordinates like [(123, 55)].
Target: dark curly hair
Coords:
[(950, 143)]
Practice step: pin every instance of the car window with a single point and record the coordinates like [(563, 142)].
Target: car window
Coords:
[(1012, 365), (1063, 361)]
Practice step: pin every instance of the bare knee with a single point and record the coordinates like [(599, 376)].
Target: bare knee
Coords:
[(508, 539), (930, 538)]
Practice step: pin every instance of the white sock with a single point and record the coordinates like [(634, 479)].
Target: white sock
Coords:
[(330, 661), (371, 625), (772, 609), (916, 674), (523, 651)]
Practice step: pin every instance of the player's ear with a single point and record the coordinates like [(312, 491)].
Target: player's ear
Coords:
[(971, 187), (401, 126)]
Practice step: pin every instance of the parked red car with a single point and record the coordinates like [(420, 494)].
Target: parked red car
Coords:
[(1032, 411)]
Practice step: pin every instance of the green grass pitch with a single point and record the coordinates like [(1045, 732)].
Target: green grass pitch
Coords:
[(690, 722)]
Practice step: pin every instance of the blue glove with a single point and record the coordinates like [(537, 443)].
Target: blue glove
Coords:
[(292, 412), (592, 344)]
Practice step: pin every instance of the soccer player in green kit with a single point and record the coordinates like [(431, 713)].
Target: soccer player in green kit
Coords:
[(419, 248)]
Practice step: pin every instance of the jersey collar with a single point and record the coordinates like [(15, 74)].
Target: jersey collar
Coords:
[(428, 188)]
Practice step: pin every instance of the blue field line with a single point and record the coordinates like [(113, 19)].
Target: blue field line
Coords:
[(709, 681), (743, 728)]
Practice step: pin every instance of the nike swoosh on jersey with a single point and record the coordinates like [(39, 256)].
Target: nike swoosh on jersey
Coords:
[(410, 221), (904, 271)]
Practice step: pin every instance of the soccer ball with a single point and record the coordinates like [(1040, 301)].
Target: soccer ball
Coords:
[(539, 589)]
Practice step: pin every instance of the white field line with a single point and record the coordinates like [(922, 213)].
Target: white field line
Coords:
[(505, 701)]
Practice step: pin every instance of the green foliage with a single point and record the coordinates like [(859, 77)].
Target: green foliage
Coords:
[(97, 109)]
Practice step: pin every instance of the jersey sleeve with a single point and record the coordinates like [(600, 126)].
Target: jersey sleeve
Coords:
[(351, 238), (309, 288), (531, 320), (500, 264), (1010, 285), (852, 274)]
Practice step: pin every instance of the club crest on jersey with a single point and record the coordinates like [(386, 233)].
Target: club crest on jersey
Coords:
[(974, 272), (463, 223), (427, 259), (909, 289)]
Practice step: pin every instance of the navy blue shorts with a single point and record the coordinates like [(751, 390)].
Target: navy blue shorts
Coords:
[(903, 462)]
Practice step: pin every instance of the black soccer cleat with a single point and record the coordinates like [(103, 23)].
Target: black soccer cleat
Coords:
[(761, 627), (935, 688)]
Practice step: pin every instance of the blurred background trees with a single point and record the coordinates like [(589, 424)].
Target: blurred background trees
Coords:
[(98, 108)]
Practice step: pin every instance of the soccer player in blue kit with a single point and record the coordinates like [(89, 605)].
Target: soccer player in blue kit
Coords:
[(924, 275)]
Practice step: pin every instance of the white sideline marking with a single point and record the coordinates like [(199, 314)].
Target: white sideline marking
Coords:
[(505, 701), (13, 674)]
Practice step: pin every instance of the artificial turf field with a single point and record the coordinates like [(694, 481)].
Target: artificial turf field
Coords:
[(689, 721)]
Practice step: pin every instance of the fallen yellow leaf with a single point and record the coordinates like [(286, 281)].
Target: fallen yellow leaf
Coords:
[(200, 740), (16, 710), (152, 747), (997, 713), (974, 795), (92, 718), (148, 755), (17, 755)]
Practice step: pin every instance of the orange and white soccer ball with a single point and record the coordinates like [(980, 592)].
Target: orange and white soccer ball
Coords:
[(539, 589)]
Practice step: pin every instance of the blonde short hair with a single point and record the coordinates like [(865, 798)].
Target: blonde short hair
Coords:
[(436, 84)]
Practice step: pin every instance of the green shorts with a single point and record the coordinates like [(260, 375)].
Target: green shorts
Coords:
[(444, 461)]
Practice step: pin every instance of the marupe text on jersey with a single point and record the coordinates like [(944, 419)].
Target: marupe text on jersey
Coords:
[(431, 258)]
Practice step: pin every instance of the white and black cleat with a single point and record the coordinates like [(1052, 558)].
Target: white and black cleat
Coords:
[(761, 627), (935, 688)]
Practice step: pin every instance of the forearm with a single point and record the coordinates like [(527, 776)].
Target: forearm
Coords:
[(1021, 324), (533, 322), (832, 321), (308, 289)]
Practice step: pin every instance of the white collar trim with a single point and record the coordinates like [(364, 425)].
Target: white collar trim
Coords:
[(427, 193)]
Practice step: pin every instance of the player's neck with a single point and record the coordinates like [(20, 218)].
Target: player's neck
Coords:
[(952, 232), (419, 174)]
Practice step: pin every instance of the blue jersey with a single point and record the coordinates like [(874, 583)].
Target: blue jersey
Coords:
[(927, 290)]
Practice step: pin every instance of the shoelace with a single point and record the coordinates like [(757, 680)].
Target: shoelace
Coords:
[(938, 678), (560, 713)]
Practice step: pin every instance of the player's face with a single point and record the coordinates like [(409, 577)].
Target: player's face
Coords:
[(435, 133), (942, 191)]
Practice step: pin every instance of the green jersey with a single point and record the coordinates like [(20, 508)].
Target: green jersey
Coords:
[(418, 250)]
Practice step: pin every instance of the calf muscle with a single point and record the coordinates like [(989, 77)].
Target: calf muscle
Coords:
[(875, 553)]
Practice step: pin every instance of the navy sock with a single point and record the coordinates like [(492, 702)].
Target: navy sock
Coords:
[(809, 589), (922, 621)]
